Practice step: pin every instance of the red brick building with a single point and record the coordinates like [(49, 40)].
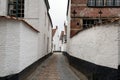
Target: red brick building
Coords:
[(86, 13)]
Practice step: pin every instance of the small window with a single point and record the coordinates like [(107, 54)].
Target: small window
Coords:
[(117, 2), (99, 2), (110, 3), (91, 2), (104, 3), (87, 23), (16, 8)]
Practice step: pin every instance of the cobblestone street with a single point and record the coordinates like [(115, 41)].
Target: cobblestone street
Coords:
[(54, 68)]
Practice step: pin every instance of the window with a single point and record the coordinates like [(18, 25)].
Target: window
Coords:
[(110, 2), (16, 8), (103, 3), (91, 2), (117, 2), (99, 2), (87, 23), (95, 2)]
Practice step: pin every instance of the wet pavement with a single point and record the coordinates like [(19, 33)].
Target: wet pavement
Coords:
[(56, 67)]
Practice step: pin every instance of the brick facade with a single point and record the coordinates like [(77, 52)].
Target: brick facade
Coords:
[(85, 12), (78, 1)]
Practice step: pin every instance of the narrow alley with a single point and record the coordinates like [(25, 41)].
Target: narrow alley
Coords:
[(59, 39), (55, 67)]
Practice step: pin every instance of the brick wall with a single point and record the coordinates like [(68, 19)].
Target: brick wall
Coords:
[(78, 1), (82, 11)]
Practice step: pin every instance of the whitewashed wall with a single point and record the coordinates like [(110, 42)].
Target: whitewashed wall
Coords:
[(98, 45), (32, 12), (18, 47), (50, 36), (68, 26), (3, 7), (44, 31), (64, 47), (61, 45), (9, 47), (3, 32), (119, 42), (28, 46), (36, 15), (56, 41)]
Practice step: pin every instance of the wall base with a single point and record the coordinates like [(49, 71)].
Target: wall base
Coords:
[(92, 71), (119, 72), (26, 72)]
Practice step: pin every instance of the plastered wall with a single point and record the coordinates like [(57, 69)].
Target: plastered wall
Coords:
[(97, 45), (18, 47)]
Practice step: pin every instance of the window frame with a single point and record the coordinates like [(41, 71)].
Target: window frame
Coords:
[(107, 2), (104, 4), (17, 12), (115, 1), (101, 2)]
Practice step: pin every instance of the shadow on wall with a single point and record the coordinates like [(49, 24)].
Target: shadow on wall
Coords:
[(119, 72), (93, 71), (26, 72)]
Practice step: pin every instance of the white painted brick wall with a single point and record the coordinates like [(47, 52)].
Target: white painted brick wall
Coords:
[(9, 48), (12, 47), (28, 46), (56, 41), (68, 28), (3, 30), (18, 47), (32, 9), (18, 42), (3, 7), (119, 42), (98, 45), (50, 38)]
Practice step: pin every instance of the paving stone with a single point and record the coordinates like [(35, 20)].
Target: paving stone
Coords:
[(54, 68)]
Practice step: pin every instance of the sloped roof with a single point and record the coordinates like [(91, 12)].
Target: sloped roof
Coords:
[(19, 19), (47, 4)]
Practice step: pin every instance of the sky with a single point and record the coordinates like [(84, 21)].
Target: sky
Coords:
[(57, 11)]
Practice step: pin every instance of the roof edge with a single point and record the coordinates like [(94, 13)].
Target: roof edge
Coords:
[(50, 19), (68, 7), (47, 4), (19, 19)]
